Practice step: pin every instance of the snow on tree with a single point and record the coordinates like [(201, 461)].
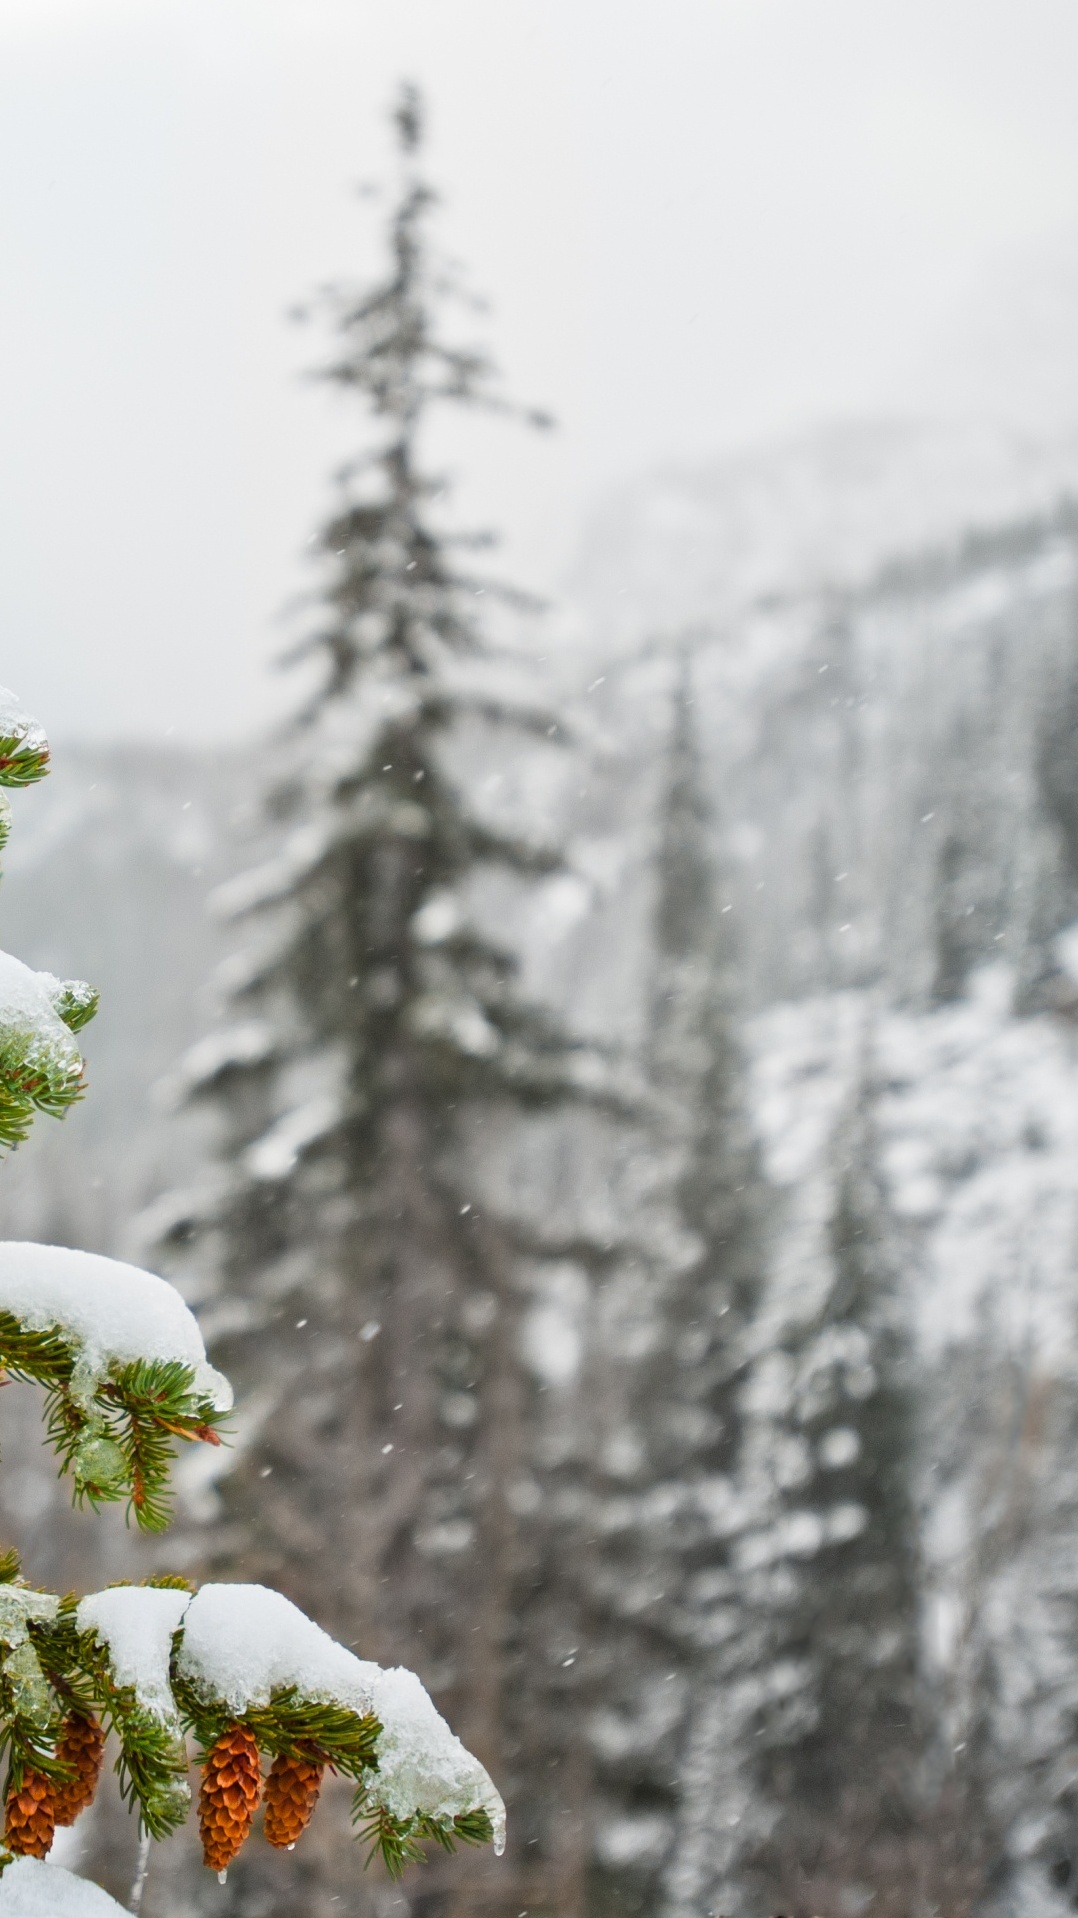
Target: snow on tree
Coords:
[(999, 1580), (364, 1302), (125, 1376), (670, 1352), (829, 1567), (1024, 1716)]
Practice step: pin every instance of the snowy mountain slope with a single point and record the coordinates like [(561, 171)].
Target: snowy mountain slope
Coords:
[(888, 758), (883, 649), (698, 546), (977, 1120)]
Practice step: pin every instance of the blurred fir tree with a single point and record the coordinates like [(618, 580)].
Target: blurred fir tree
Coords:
[(1006, 1795), (671, 1349), (365, 1301), (837, 1735)]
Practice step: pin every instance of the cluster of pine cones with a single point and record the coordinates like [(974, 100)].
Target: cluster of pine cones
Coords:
[(232, 1788), (41, 1803)]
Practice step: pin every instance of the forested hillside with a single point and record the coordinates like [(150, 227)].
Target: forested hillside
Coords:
[(792, 1378)]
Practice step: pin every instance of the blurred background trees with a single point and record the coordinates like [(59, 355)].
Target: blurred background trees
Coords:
[(627, 1158)]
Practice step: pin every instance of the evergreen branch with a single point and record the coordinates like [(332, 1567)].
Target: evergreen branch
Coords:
[(31, 1082), (31, 1707), (400, 1840), (508, 849), (473, 1827), (37, 1356), (535, 721), (24, 755), (58, 1645), (395, 1839), (158, 1405), (152, 1762), (289, 1724), (16, 1118), (76, 1003), (118, 1442)]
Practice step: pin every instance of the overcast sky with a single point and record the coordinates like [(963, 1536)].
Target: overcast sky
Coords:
[(699, 223)]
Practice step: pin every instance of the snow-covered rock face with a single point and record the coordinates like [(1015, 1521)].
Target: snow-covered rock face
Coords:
[(111, 1313)]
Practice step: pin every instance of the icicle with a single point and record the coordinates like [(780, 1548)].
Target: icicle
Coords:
[(134, 1903)]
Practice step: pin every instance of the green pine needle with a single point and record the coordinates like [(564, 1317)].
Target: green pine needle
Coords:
[(24, 758), (400, 1841), (76, 1003), (288, 1724), (394, 1838)]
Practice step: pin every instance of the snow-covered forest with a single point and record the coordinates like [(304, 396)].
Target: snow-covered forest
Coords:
[(773, 1419), (604, 1079)]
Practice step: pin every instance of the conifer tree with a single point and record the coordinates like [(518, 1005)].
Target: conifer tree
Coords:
[(1006, 1812), (365, 1298), (674, 1320), (124, 1373), (830, 1575)]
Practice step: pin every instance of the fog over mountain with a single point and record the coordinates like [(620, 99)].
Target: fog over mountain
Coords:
[(1007, 350)]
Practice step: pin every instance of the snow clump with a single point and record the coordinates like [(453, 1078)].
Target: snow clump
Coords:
[(241, 1643), (30, 1889), (111, 1313), (135, 1624)]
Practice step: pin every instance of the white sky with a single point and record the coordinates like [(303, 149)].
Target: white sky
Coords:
[(699, 222)]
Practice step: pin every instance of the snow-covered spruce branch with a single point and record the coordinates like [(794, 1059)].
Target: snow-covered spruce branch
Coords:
[(124, 1370), (40, 1064), (245, 1673), (24, 749), (237, 1667)]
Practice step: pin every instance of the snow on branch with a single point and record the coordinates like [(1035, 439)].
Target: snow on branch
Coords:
[(123, 1364), (244, 1646), (41, 1066), (243, 1657)]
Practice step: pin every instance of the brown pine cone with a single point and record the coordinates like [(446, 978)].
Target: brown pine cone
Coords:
[(30, 1816), (82, 1746), (291, 1795), (228, 1800)]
